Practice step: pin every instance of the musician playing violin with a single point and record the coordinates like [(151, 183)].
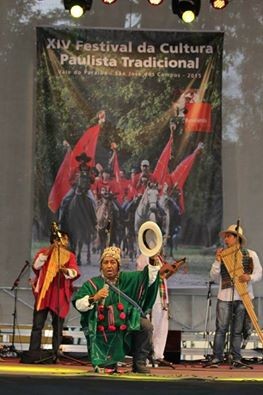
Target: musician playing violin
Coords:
[(230, 307), (55, 269), (160, 310)]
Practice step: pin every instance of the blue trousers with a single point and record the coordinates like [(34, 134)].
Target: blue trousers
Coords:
[(229, 313)]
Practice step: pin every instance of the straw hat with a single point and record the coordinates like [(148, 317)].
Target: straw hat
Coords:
[(150, 239), (238, 231)]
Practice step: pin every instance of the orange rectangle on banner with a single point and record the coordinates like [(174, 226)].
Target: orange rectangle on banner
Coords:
[(198, 117)]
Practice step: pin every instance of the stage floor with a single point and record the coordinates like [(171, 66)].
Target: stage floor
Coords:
[(183, 371), (71, 379)]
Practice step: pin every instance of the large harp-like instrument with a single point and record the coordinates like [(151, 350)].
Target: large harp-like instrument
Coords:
[(57, 258), (232, 258)]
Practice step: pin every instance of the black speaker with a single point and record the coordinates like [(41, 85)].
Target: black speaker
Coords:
[(172, 352), (38, 357)]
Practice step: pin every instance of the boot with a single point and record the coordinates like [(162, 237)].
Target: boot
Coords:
[(140, 367)]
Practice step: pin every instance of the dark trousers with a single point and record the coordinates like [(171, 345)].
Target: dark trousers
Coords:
[(39, 319), (142, 342)]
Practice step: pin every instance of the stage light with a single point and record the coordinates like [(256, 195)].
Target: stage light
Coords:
[(219, 4), (155, 2), (77, 8), (187, 10), (108, 1)]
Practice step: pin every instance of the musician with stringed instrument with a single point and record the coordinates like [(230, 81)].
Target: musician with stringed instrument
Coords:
[(160, 310), (236, 268), (55, 269)]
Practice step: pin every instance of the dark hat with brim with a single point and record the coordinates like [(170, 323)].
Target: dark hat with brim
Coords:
[(83, 157)]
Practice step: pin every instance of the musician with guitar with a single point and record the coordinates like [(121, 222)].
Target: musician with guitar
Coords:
[(55, 269), (235, 268)]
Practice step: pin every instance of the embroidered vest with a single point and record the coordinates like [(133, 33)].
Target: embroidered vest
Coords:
[(247, 263)]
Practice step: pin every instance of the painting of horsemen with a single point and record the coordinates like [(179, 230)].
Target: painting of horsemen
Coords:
[(128, 129)]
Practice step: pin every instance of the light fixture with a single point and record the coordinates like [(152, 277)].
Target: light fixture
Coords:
[(219, 4), (77, 7), (155, 2), (108, 1), (187, 10)]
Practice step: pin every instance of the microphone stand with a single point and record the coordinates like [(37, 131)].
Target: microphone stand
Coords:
[(231, 321), (208, 321), (14, 288), (230, 327)]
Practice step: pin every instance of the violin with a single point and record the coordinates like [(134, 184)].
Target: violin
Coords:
[(168, 269)]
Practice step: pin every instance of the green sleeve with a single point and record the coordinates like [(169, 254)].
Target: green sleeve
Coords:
[(90, 287)]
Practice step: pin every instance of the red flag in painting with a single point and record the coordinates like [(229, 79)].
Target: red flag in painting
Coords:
[(61, 184), (116, 167), (179, 176), (160, 173), (198, 117), (87, 143), (116, 183)]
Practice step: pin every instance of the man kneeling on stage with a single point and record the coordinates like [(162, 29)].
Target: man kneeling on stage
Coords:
[(113, 308)]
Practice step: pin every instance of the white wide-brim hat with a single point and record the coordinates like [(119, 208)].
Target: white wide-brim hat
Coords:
[(150, 239), (235, 230)]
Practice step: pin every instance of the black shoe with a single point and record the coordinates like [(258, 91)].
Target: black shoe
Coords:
[(240, 365), (214, 363), (141, 368), (163, 362)]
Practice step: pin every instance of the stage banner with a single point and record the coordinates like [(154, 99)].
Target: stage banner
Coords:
[(128, 129)]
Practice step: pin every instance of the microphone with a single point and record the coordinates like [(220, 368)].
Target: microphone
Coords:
[(27, 264), (55, 230), (102, 303), (238, 224), (20, 274)]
